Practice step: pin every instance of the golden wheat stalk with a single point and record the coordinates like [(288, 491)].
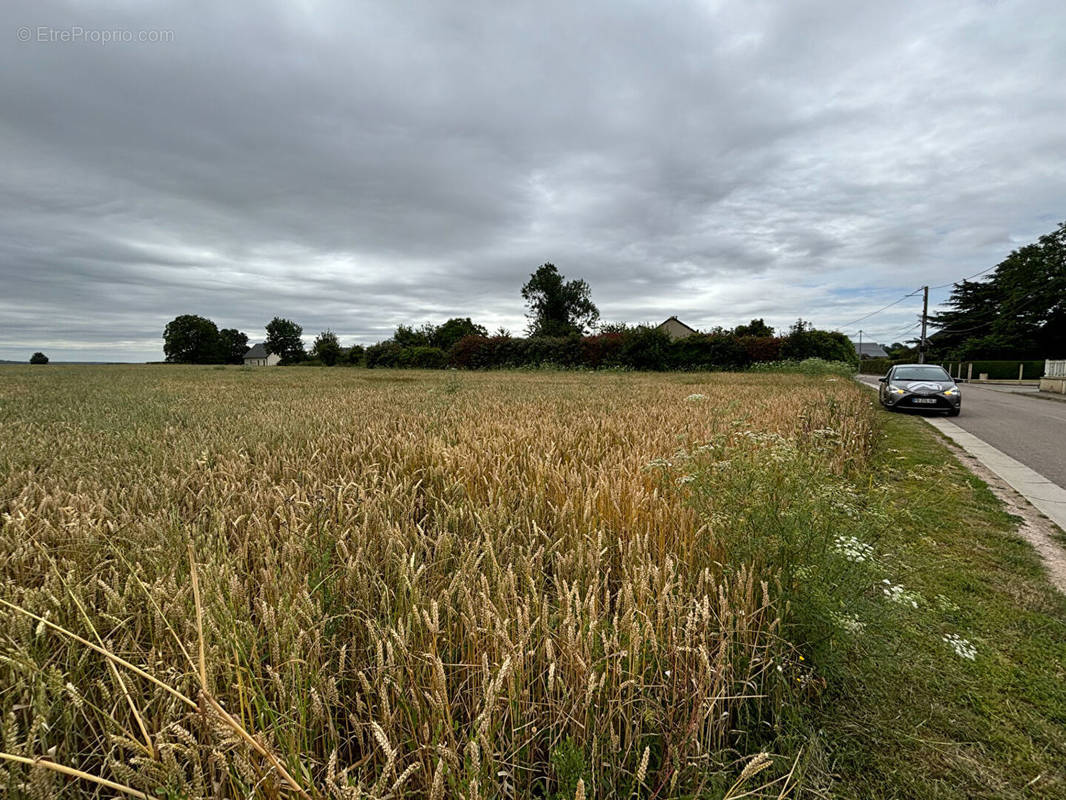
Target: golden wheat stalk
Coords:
[(73, 773)]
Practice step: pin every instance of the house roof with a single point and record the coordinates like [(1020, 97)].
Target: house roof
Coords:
[(679, 322), (256, 351), (870, 350)]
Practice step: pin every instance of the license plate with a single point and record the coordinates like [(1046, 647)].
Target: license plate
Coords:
[(929, 400)]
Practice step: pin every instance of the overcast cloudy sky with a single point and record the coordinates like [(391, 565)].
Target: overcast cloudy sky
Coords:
[(356, 165)]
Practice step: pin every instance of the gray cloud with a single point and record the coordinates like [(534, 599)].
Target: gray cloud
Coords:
[(356, 165)]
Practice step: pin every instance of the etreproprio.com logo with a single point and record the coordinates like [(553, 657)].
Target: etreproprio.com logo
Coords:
[(76, 34)]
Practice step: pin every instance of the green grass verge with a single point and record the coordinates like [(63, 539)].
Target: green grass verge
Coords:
[(907, 716)]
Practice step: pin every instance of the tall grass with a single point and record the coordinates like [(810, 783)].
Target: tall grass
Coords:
[(266, 583), (808, 366)]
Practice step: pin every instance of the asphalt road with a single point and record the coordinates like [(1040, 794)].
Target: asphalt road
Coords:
[(1029, 429)]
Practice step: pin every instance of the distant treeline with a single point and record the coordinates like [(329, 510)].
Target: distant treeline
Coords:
[(564, 331), (462, 344)]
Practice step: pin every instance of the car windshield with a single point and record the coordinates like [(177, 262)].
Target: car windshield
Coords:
[(924, 373)]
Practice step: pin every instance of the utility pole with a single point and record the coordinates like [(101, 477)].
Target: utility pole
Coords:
[(925, 320), (860, 345)]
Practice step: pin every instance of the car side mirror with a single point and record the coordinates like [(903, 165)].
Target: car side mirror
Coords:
[(883, 380)]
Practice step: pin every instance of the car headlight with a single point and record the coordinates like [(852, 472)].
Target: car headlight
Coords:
[(952, 392), (896, 390)]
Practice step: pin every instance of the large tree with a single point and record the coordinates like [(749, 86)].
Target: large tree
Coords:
[(191, 339), (283, 340), (558, 307), (1019, 311), (232, 346), (38, 358)]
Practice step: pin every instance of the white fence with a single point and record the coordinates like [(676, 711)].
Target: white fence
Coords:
[(1054, 369)]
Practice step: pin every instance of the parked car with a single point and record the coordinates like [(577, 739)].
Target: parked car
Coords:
[(920, 386)]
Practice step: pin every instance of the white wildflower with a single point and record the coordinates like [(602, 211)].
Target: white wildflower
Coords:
[(853, 549), (695, 398), (897, 594), (849, 622), (963, 648)]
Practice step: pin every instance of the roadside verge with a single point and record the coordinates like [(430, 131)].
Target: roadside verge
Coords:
[(1003, 473), (1048, 497)]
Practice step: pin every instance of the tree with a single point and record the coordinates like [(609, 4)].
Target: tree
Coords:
[(283, 340), (757, 327), (446, 335), (406, 336), (190, 339), (558, 307), (356, 355), (38, 358), (804, 341), (1017, 312), (899, 350), (327, 348), (232, 345)]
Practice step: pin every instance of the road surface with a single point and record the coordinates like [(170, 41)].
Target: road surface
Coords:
[(1031, 430)]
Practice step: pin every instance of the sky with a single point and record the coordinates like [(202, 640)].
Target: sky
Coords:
[(353, 166)]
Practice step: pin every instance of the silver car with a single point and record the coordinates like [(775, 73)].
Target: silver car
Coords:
[(920, 387)]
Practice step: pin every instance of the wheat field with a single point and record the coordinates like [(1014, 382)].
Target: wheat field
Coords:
[(228, 582)]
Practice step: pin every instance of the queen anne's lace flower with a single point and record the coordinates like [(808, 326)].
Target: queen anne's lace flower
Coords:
[(849, 622), (963, 648), (853, 549), (897, 594)]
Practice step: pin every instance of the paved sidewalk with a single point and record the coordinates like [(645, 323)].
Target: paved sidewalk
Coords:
[(1049, 498)]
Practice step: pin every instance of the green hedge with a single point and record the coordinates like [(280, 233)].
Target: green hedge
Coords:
[(390, 354), (997, 370), (638, 348)]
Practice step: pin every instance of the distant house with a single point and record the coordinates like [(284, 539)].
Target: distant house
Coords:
[(676, 329), (870, 350), (257, 356)]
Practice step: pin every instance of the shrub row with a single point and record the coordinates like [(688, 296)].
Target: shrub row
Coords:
[(391, 354), (640, 348)]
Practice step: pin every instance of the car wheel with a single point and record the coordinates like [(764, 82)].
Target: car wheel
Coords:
[(954, 412)]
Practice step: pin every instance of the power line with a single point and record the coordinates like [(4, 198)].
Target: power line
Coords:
[(873, 313), (912, 294), (906, 330), (960, 280), (1018, 307)]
